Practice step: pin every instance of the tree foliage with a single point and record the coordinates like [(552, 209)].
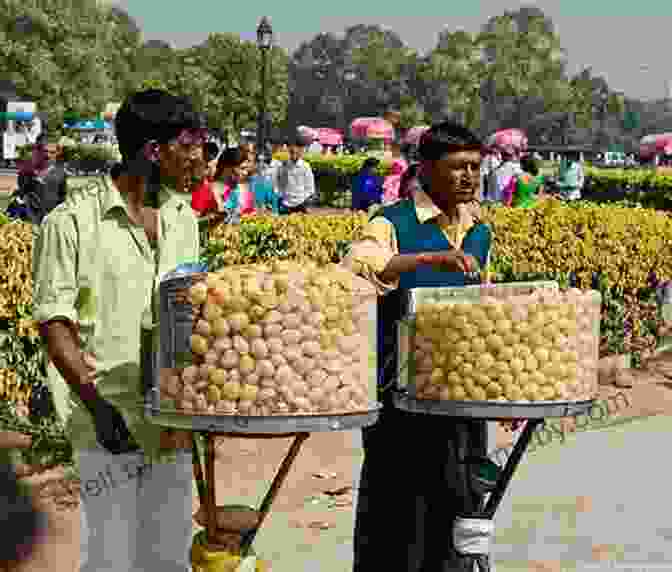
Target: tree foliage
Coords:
[(76, 55)]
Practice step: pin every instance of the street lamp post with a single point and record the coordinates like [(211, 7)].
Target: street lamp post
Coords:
[(264, 42), (604, 102), (348, 78)]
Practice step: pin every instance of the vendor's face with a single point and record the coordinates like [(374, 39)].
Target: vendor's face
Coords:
[(240, 172), (295, 152), (183, 158), (455, 178), (53, 151)]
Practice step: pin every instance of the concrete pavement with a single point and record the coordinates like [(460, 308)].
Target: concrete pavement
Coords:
[(604, 493), (601, 494)]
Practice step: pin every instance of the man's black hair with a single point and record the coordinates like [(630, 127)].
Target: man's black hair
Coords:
[(447, 137), (116, 170), (153, 115), (230, 157), (210, 150)]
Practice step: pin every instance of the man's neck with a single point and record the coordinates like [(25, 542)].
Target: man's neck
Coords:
[(134, 189), (449, 210)]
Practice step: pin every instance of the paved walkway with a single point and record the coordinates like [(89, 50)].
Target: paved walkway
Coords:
[(601, 494), (604, 493)]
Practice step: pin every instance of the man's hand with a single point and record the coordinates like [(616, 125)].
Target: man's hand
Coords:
[(111, 430), (450, 261), (446, 261)]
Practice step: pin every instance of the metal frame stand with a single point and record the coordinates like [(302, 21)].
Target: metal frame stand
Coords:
[(206, 485), (534, 414), (210, 427)]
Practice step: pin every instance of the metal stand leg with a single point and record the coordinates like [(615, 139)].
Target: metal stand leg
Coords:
[(511, 465), (205, 483), (272, 493), (482, 563)]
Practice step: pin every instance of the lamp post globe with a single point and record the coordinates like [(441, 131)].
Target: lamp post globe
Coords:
[(264, 34), (264, 43)]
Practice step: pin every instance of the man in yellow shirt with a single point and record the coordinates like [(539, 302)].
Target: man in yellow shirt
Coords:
[(98, 260)]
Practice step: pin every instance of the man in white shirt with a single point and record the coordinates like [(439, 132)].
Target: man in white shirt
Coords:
[(315, 147), (504, 175), (294, 180), (488, 165)]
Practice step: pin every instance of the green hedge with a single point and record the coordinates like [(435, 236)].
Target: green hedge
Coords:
[(82, 152)]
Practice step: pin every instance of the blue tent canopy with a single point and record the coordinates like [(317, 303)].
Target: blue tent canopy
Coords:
[(88, 125)]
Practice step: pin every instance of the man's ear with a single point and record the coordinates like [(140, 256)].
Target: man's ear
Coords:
[(151, 151)]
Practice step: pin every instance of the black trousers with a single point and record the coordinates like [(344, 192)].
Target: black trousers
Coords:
[(414, 483)]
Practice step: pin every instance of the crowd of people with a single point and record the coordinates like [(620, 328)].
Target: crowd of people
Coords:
[(237, 182), (513, 179)]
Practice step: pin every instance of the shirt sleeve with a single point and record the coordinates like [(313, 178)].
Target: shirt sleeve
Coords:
[(370, 255), (193, 236), (310, 182), (55, 287)]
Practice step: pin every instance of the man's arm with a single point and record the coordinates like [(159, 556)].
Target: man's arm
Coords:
[(54, 296), (309, 182), (64, 351), (370, 256)]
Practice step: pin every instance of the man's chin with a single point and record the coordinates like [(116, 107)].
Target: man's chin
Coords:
[(465, 196)]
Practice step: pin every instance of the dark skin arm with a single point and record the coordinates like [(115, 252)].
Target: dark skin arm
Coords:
[(449, 261), (63, 349), (64, 352)]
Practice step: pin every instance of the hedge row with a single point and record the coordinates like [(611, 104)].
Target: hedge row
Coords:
[(80, 152)]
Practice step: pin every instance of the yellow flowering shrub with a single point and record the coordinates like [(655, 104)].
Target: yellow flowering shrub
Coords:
[(623, 244)]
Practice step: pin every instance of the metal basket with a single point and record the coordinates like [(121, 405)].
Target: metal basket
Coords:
[(407, 367), (175, 329), (172, 350)]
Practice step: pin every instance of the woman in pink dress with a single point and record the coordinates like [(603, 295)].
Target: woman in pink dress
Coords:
[(393, 180)]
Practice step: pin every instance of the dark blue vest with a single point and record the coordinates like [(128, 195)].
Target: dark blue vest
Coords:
[(412, 238)]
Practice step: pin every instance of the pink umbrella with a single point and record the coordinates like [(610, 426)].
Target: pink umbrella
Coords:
[(328, 136), (511, 141), (308, 132), (381, 130), (372, 128), (654, 144), (413, 135)]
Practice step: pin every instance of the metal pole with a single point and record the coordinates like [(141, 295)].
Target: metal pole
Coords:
[(260, 110), (262, 119)]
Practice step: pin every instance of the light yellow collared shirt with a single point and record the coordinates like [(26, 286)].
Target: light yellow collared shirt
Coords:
[(370, 255), (109, 295)]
